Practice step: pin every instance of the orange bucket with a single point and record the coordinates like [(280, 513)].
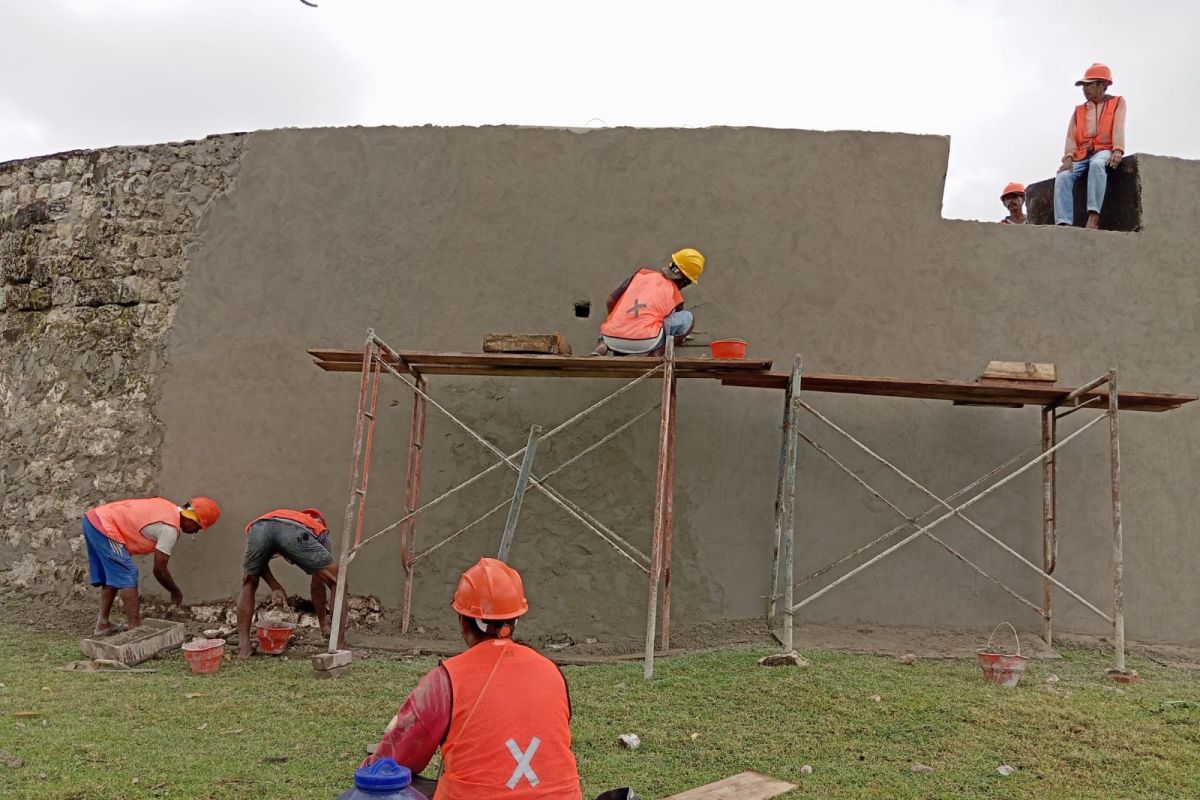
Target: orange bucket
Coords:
[(204, 655), (728, 348), (1002, 669), (273, 636)]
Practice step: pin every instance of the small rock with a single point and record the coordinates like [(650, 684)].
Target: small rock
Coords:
[(907, 658), (1006, 770), (806, 769), (875, 698), (590, 640), (136, 780), (202, 726), (193, 695), (1051, 679), (558, 645), (789, 659), (43, 776), (922, 768), (630, 740), (11, 761)]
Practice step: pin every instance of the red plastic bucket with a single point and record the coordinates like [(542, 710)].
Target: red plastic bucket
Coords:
[(1002, 669), (204, 655), (274, 636), (728, 348)]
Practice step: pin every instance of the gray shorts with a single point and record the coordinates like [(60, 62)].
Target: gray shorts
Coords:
[(293, 541)]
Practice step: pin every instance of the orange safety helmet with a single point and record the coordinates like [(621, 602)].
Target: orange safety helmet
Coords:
[(1012, 188), (490, 590), (1096, 72), (205, 511)]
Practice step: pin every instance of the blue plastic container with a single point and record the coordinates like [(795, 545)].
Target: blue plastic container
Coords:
[(383, 780)]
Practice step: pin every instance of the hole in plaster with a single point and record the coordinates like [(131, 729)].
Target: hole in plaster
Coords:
[(583, 309)]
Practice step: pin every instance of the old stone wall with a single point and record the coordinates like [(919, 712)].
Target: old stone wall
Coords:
[(94, 248)]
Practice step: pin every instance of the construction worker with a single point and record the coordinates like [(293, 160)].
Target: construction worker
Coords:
[(1095, 141), (500, 711), (114, 532), (302, 538), (1013, 198), (648, 307)]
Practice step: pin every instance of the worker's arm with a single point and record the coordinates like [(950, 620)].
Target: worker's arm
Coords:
[(1069, 146), (421, 724), (163, 576), (1118, 151), (615, 297), (278, 594)]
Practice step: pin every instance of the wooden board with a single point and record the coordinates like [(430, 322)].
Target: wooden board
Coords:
[(974, 393), (1020, 371), (546, 343), (745, 786)]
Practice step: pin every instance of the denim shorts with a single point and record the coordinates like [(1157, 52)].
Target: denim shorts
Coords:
[(291, 540)]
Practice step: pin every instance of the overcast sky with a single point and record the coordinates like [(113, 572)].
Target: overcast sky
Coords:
[(997, 77)]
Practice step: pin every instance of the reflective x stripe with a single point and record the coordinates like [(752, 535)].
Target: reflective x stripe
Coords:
[(523, 770)]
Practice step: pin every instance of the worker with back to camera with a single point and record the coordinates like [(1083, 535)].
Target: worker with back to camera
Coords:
[(500, 711), (648, 307), (114, 532)]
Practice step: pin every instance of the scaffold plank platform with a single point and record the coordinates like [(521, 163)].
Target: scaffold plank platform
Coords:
[(753, 373)]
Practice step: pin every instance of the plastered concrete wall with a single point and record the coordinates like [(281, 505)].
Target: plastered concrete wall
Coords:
[(826, 244)]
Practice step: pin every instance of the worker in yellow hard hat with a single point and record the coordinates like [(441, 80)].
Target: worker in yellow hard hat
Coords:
[(1013, 198), (1095, 142), (648, 307)]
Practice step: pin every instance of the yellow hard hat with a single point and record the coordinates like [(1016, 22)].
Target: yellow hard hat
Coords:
[(690, 263)]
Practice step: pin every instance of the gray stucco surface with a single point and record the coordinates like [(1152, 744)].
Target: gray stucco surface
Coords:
[(826, 244)]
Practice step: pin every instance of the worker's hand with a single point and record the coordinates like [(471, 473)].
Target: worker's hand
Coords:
[(176, 598), (279, 597), (1065, 165), (1114, 160)]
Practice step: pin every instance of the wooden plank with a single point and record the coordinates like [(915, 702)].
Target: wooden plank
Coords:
[(744, 786), (419, 358), (545, 343), (523, 372), (979, 394), (1020, 371)]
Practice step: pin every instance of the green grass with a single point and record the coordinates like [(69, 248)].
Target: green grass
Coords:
[(1086, 738)]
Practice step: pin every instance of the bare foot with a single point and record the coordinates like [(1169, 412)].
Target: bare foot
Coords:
[(109, 628), (245, 650), (1093, 221)]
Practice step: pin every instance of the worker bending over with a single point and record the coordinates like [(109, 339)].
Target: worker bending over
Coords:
[(1013, 198), (302, 538), (1095, 140), (114, 532), (648, 307), (500, 711)]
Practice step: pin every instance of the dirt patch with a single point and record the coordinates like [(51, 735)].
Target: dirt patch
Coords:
[(376, 628)]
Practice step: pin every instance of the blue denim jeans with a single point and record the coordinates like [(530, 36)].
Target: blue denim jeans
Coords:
[(1064, 186), (677, 323)]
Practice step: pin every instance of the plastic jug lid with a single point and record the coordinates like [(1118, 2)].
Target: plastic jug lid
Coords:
[(384, 775)]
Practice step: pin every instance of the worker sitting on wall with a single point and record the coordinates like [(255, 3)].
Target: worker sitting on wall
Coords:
[(302, 538), (114, 532), (648, 307), (1095, 141), (500, 711), (1013, 198)]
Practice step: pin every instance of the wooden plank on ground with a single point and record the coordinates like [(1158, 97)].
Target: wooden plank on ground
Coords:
[(546, 343), (746, 786)]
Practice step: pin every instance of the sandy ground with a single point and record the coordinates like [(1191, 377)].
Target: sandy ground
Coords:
[(378, 631)]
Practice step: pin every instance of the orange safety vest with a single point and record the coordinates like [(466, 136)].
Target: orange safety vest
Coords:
[(647, 301), (312, 523), (1103, 140), (510, 727), (123, 520)]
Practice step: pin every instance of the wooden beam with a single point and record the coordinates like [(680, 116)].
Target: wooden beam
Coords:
[(744, 786), (1019, 371), (545, 343)]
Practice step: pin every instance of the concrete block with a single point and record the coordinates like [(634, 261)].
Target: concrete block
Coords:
[(322, 674), (142, 643), (329, 661)]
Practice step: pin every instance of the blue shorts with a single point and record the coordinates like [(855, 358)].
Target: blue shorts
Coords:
[(109, 563)]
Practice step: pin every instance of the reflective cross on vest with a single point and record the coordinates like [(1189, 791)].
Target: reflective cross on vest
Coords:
[(637, 306), (523, 770)]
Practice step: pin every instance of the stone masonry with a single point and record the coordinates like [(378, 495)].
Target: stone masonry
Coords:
[(94, 250)]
